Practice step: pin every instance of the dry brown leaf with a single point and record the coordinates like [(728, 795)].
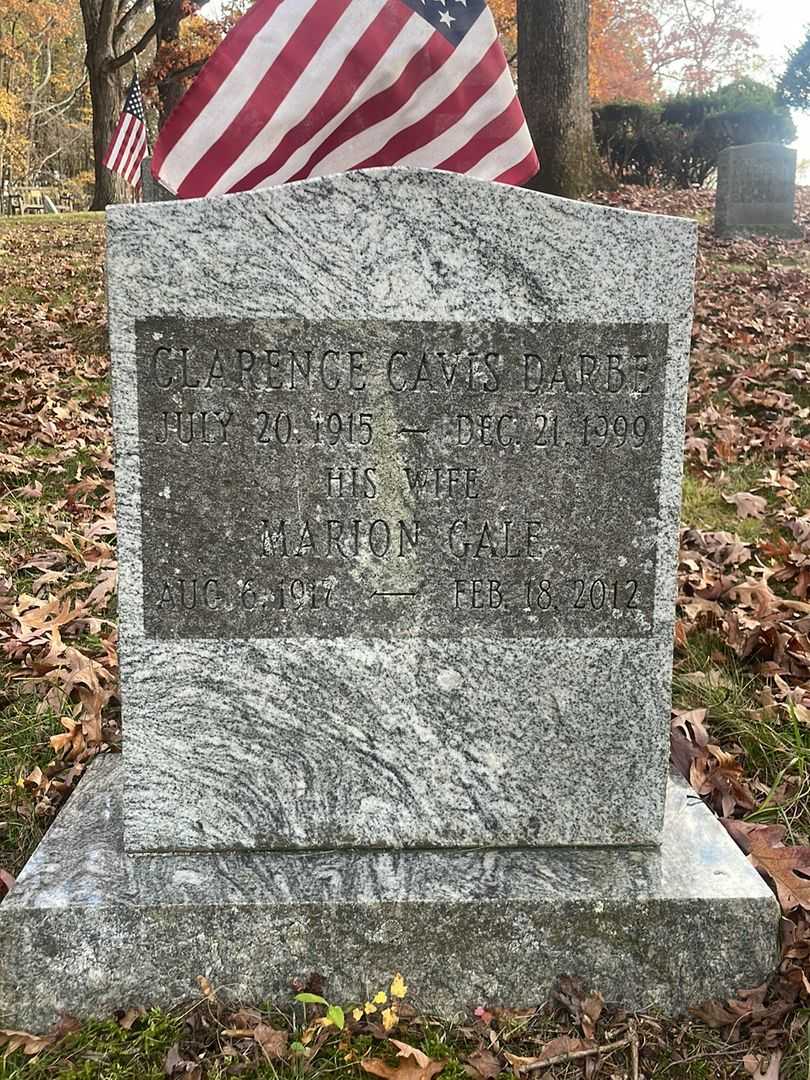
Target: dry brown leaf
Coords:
[(272, 1041), (788, 867), (413, 1064), (127, 1017), (7, 882), (592, 1007), (483, 1065), (519, 1063), (770, 1071), (176, 1065), (748, 505), (25, 1041)]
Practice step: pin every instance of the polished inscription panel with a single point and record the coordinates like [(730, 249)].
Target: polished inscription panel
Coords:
[(389, 479)]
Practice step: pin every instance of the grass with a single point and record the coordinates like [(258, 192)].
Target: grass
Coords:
[(774, 740), (51, 220), (102, 1050), (705, 508), (26, 730)]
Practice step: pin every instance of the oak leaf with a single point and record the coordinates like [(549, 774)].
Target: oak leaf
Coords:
[(28, 1043), (483, 1065), (413, 1064), (748, 504), (272, 1041)]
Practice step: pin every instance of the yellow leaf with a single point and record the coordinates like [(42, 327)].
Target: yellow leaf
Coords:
[(398, 987), (389, 1019), (380, 999), (357, 1014), (369, 1008)]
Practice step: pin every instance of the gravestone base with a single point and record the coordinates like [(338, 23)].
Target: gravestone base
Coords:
[(89, 929), (785, 232)]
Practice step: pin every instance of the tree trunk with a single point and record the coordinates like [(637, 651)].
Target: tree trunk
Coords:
[(553, 90), (168, 16), (107, 97)]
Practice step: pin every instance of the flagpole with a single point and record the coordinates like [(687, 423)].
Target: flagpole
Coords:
[(138, 195)]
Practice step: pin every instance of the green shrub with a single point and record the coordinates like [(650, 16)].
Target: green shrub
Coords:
[(677, 141), (794, 86)]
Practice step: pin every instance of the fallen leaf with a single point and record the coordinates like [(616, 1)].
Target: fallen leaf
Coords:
[(272, 1041), (176, 1065), (413, 1064), (7, 882), (25, 1041), (127, 1017), (753, 1065), (591, 1011), (748, 505), (483, 1065)]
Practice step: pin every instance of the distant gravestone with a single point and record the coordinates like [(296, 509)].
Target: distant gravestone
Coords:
[(756, 190), (151, 190), (398, 484)]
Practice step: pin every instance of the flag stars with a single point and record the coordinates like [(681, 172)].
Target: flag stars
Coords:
[(446, 18)]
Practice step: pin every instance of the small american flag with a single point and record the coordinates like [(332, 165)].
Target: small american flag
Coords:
[(128, 146), (303, 88)]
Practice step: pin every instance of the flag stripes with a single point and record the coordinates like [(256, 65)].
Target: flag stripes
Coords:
[(304, 88), (128, 145), (330, 108)]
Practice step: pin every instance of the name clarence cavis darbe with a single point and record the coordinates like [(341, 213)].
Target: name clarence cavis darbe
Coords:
[(348, 479)]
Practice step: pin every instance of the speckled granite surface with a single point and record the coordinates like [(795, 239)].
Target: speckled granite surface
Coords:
[(89, 929), (236, 743)]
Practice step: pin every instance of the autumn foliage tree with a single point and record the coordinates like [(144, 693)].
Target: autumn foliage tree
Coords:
[(42, 105), (639, 48), (183, 46), (116, 33)]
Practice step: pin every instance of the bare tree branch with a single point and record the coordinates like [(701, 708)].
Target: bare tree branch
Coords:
[(65, 102), (131, 13), (183, 73), (135, 50)]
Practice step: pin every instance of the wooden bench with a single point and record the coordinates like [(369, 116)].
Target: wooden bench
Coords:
[(33, 202)]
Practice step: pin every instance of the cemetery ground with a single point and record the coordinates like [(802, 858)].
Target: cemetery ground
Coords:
[(741, 726)]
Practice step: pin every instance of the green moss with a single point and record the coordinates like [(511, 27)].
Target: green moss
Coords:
[(103, 1050)]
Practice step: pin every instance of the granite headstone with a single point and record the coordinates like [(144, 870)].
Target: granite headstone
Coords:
[(398, 501), (398, 467), (756, 190)]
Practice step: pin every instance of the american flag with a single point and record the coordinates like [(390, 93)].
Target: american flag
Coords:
[(128, 146), (303, 88)]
